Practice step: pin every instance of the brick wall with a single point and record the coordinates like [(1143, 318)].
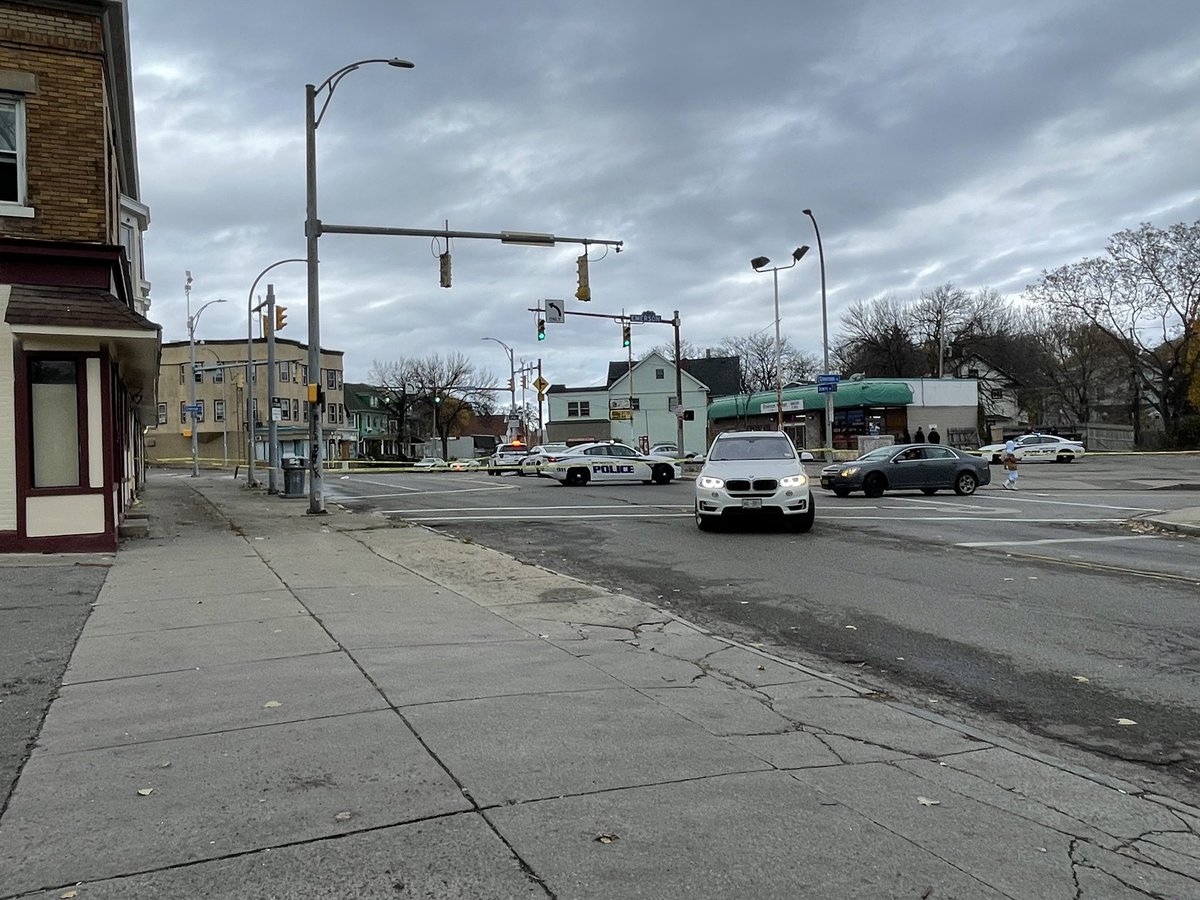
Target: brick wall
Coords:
[(69, 157)]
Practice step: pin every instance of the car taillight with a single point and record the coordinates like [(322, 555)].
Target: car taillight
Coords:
[(551, 459)]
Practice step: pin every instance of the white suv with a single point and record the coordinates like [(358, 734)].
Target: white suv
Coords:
[(753, 473)]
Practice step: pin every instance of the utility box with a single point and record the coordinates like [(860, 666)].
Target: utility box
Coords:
[(293, 476)]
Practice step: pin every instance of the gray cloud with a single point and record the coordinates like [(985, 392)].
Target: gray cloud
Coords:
[(967, 143)]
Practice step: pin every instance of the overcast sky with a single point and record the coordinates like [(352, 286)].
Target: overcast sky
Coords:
[(967, 142)]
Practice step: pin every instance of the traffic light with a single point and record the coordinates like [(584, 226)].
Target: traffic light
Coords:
[(584, 291), (510, 385), (444, 269), (541, 329), (625, 336), (437, 400), (280, 317), (524, 382)]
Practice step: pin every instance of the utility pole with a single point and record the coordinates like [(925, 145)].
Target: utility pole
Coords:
[(678, 389), (273, 425)]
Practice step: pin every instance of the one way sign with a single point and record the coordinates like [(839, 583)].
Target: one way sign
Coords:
[(554, 311)]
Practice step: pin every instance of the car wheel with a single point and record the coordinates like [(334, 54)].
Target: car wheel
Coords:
[(493, 472), (661, 475), (842, 491), (577, 477), (1066, 458), (705, 523), (995, 459), (803, 523), (965, 484), (874, 485), (929, 492)]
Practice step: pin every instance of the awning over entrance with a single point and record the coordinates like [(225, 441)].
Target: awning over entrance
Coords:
[(849, 395)]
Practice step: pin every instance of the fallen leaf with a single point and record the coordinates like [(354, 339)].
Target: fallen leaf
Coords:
[(925, 801), (272, 704), (145, 792), (165, 765), (762, 668), (1082, 679), (68, 895), (607, 838), (1126, 722), (342, 817), (852, 627)]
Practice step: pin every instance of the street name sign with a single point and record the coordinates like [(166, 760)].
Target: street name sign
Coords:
[(788, 406), (827, 388)]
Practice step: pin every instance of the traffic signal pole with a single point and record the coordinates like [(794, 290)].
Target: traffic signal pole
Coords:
[(272, 425)]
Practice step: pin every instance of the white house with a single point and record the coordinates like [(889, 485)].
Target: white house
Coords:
[(636, 407)]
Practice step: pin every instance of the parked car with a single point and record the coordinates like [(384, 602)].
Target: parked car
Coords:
[(753, 473), (462, 465), (928, 468), (610, 461), (507, 458), (1037, 446), (532, 464), (431, 462)]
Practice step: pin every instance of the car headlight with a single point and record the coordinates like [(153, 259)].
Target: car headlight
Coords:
[(709, 483), (846, 473), (791, 481)]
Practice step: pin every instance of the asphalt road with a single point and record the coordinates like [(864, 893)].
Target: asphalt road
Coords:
[(1043, 614)]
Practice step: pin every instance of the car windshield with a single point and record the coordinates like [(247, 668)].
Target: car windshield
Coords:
[(750, 447), (879, 453)]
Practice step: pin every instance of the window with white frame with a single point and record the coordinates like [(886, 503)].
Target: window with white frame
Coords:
[(296, 410), (218, 410), (54, 410), (579, 409), (660, 374), (162, 414), (331, 379), (285, 371), (182, 374), (12, 150), (218, 376)]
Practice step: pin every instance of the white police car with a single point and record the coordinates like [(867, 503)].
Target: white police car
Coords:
[(609, 461), (1037, 447)]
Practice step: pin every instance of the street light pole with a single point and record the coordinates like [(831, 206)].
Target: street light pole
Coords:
[(192, 320), (251, 444), (312, 231), (824, 338), (512, 383), (759, 264)]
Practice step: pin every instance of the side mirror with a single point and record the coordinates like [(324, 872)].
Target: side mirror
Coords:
[(805, 456)]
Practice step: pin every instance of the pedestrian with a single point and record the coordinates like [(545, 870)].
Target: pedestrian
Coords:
[(919, 437), (1008, 459), (934, 437), (905, 437)]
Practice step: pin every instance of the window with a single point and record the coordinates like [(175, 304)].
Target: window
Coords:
[(12, 152), (183, 416), (199, 374), (285, 371), (332, 413), (162, 414), (304, 373), (200, 411), (331, 379), (579, 408), (183, 374), (285, 408), (54, 419), (660, 374), (218, 410), (635, 402), (218, 376), (296, 410)]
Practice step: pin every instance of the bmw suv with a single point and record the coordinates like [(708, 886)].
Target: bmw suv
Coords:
[(753, 473)]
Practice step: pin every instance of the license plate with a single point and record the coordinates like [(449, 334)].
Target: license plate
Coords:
[(826, 482), (752, 504)]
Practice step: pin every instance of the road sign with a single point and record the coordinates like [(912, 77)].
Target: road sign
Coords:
[(555, 311), (541, 384), (828, 379), (193, 408), (620, 415), (619, 403), (647, 316), (788, 406), (541, 397), (827, 388)]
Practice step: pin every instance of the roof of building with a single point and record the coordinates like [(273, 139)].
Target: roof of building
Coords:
[(720, 374), (849, 394), (72, 307)]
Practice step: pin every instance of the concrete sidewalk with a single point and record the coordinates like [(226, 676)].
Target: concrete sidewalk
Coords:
[(269, 704)]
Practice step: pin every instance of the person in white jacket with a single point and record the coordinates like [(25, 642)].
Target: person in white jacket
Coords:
[(1008, 459)]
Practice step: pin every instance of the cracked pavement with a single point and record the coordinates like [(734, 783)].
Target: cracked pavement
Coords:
[(268, 704)]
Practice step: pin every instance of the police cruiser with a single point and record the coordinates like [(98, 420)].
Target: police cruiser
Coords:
[(609, 461)]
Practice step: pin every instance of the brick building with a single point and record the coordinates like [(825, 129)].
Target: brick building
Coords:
[(78, 379)]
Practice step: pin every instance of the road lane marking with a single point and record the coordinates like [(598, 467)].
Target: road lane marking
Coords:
[(1077, 540), (628, 506), (629, 515), (348, 496), (1008, 497), (824, 516)]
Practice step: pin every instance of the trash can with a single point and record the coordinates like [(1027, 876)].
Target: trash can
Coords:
[(293, 476)]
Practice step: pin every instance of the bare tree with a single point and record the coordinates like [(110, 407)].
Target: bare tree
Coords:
[(1144, 293), (667, 350), (876, 339), (440, 390), (757, 355)]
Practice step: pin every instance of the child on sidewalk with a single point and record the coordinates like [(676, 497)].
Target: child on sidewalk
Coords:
[(1009, 460)]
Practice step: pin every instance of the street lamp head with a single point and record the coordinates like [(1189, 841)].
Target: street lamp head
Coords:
[(759, 261), (799, 252), (399, 63), (807, 212)]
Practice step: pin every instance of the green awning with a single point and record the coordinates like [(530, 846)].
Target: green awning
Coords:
[(849, 395)]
